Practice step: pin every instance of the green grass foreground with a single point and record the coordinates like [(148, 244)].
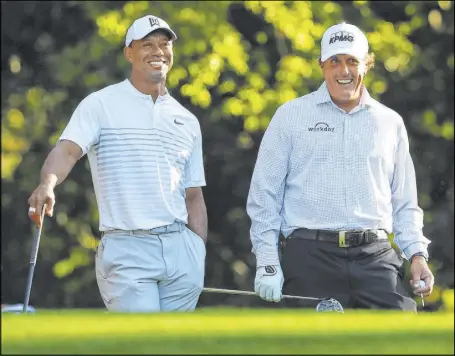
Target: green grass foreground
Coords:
[(228, 331)]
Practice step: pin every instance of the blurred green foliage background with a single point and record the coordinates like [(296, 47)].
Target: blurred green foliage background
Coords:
[(235, 63)]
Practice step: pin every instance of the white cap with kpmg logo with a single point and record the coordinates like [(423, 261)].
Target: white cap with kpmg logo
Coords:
[(344, 38), (144, 25)]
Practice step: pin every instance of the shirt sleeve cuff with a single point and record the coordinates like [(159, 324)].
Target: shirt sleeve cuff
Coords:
[(200, 183), (267, 257), (83, 148), (415, 247)]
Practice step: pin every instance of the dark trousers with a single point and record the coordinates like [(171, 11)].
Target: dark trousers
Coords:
[(366, 276)]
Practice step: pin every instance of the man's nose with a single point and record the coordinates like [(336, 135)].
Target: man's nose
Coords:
[(157, 50), (344, 69)]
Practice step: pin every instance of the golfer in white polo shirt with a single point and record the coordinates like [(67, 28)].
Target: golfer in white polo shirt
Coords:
[(145, 154)]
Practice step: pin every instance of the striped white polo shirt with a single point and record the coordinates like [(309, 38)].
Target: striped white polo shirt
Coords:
[(142, 155)]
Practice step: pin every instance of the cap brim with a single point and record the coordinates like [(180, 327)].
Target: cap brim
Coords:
[(168, 30), (349, 51)]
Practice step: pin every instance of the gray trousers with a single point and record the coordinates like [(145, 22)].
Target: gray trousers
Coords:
[(366, 276), (143, 271)]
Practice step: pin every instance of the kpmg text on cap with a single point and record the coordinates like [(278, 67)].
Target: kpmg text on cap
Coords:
[(341, 37)]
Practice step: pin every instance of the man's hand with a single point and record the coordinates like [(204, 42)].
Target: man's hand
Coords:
[(269, 282), (42, 195), (420, 271)]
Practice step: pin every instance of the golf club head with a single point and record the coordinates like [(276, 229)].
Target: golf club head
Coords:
[(329, 305)]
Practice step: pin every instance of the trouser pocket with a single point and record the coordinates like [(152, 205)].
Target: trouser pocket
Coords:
[(196, 252)]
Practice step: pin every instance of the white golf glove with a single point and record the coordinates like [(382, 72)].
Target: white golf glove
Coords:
[(269, 282)]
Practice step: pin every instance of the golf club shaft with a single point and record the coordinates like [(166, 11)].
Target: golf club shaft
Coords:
[(29, 284), (33, 257), (244, 292)]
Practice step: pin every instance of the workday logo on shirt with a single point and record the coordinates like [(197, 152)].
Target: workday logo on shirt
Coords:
[(321, 126)]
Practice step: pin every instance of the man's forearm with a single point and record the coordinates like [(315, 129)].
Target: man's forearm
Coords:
[(59, 164), (197, 215)]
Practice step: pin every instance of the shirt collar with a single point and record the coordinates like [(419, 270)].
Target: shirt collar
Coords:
[(134, 90), (323, 96)]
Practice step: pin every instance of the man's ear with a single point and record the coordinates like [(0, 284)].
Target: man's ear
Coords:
[(320, 63), (363, 68), (127, 53)]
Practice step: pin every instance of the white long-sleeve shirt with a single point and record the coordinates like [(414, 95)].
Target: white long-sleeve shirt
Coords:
[(319, 167)]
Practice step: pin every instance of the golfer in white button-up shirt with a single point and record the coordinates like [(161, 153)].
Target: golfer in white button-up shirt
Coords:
[(334, 162)]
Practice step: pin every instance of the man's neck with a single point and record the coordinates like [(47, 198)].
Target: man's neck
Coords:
[(149, 88), (347, 106)]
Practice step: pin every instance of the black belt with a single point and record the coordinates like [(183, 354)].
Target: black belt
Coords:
[(344, 238)]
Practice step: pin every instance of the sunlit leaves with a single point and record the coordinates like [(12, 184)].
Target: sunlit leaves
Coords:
[(378, 87), (448, 295), (261, 37), (25, 119), (435, 19), (410, 9), (227, 86), (176, 75), (113, 25), (87, 240), (15, 119), (252, 124), (256, 81), (292, 68), (12, 143), (234, 107), (78, 257), (445, 5), (391, 64), (9, 163), (230, 48), (450, 61), (445, 130), (244, 140), (15, 64)]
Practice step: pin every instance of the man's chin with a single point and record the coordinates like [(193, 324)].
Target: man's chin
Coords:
[(349, 95), (157, 77)]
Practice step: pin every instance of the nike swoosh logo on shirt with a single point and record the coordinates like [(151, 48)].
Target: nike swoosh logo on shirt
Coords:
[(178, 122)]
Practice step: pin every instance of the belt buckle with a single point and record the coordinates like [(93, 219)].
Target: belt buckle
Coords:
[(342, 239)]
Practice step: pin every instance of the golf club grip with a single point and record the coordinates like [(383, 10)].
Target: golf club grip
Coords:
[(36, 238), (250, 293)]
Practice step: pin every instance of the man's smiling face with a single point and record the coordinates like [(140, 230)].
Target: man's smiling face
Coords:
[(152, 56), (344, 75)]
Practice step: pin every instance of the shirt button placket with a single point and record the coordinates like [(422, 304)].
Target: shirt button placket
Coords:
[(348, 172)]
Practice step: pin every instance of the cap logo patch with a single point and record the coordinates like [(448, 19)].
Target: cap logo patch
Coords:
[(154, 21), (341, 37)]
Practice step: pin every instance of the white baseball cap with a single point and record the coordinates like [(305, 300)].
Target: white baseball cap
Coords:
[(144, 25), (344, 38)]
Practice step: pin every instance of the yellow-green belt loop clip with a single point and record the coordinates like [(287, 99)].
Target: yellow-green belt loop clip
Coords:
[(342, 239)]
